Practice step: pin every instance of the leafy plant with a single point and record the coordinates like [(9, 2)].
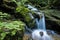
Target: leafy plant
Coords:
[(4, 15), (19, 2), (10, 28)]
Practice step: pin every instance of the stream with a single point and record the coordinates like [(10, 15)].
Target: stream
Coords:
[(40, 33)]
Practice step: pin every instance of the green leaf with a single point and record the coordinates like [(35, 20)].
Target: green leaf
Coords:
[(13, 32), (3, 35)]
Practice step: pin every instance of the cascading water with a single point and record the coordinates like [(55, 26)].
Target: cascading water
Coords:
[(40, 23), (40, 28)]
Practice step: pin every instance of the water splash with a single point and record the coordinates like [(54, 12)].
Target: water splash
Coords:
[(37, 36)]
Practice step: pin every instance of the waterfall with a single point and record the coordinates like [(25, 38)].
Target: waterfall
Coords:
[(37, 23), (40, 23)]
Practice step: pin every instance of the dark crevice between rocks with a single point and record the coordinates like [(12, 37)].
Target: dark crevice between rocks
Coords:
[(52, 25), (7, 7)]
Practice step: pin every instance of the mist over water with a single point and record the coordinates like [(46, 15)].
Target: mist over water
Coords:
[(37, 36)]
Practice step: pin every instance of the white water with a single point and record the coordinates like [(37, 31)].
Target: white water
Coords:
[(31, 8), (40, 26), (37, 36), (41, 23)]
